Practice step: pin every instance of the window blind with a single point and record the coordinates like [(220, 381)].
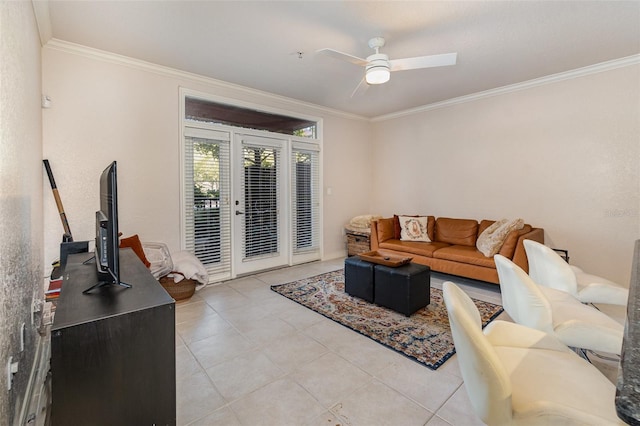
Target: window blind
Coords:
[(207, 220), (305, 198), (261, 219)]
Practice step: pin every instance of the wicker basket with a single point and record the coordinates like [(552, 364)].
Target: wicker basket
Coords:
[(179, 291)]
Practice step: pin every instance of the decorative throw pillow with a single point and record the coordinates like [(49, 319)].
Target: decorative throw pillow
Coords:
[(414, 228), (396, 223), (508, 249), (385, 230), (492, 238), (134, 243)]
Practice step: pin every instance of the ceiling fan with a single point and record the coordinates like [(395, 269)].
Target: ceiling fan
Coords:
[(378, 67)]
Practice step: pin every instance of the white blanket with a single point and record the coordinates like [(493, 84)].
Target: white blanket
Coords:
[(189, 266), (363, 221)]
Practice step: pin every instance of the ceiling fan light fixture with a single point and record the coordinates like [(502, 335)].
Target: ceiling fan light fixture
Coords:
[(378, 69), (378, 75)]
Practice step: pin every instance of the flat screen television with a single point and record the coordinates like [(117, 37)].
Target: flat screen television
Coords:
[(107, 251)]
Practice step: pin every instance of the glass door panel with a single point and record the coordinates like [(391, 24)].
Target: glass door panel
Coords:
[(260, 224)]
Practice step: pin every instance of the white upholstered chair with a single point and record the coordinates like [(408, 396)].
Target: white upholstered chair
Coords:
[(547, 268), (555, 312), (518, 375)]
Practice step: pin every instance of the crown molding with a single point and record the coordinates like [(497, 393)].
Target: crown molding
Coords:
[(101, 55), (105, 56), (550, 79)]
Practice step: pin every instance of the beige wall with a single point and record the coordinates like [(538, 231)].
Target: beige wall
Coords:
[(107, 108), (20, 197), (564, 156)]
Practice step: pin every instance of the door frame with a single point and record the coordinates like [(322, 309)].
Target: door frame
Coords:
[(285, 208)]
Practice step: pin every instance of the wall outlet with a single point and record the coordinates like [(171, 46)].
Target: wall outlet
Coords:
[(36, 307), (12, 368), (22, 336)]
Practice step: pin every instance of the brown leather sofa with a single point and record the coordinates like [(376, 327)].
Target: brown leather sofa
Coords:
[(452, 249)]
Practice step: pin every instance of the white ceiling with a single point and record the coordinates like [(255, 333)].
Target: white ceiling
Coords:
[(255, 43)]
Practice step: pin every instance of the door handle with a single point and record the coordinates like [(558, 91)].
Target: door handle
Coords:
[(238, 212)]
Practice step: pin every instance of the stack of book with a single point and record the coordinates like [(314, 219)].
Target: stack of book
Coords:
[(55, 284)]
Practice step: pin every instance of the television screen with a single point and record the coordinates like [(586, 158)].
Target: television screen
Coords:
[(107, 251)]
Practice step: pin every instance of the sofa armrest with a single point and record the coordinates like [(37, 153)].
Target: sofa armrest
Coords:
[(520, 255), (373, 240)]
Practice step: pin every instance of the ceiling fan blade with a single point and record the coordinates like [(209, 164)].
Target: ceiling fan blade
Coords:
[(343, 56), (360, 88), (423, 62)]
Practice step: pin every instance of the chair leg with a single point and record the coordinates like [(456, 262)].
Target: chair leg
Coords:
[(615, 358), (584, 354)]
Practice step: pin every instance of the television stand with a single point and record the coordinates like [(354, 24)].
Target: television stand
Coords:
[(104, 283), (113, 354), (114, 279)]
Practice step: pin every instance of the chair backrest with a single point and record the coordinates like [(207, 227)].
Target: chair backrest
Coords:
[(547, 268), (521, 297), (485, 378)]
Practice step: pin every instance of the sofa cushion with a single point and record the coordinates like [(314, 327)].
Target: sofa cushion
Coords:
[(484, 224), (491, 240), (414, 228), (456, 231), (413, 247), (464, 254), (386, 229), (509, 247)]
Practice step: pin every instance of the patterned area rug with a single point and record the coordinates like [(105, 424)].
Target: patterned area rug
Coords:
[(424, 337)]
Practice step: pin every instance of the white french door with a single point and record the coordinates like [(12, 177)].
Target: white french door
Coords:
[(259, 203)]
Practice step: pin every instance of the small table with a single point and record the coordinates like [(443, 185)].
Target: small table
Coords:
[(404, 289), (358, 278)]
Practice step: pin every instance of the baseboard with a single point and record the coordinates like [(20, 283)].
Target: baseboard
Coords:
[(334, 255), (37, 398)]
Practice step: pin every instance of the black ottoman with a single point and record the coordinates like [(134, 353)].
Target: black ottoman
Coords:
[(358, 278), (404, 289)]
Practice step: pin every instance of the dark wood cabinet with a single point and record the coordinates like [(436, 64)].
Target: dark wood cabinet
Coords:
[(113, 349)]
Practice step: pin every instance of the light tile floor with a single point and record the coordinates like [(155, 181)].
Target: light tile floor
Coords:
[(248, 356)]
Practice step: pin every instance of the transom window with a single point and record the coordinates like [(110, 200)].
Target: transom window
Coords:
[(231, 115)]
